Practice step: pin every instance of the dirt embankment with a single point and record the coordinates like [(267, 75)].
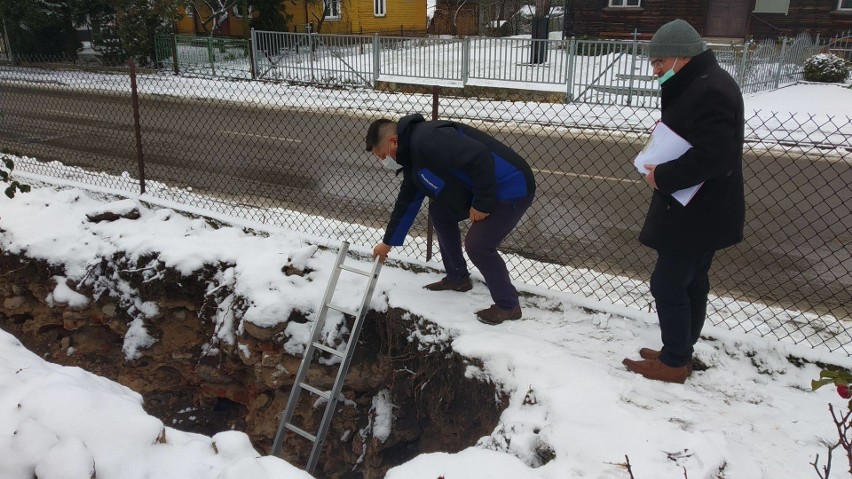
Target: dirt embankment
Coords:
[(194, 381)]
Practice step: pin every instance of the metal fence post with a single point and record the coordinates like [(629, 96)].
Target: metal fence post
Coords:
[(175, 66), (572, 58), (7, 43), (633, 46), (435, 91), (376, 59), (210, 56), (311, 51), (781, 61), (743, 63), (137, 127), (253, 55), (465, 60)]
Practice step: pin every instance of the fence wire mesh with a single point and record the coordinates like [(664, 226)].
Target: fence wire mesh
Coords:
[(293, 156)]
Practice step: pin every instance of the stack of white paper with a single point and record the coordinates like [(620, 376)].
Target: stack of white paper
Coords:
[(665, 145)]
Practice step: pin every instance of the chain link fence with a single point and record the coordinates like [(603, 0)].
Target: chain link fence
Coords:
[(293, 156)]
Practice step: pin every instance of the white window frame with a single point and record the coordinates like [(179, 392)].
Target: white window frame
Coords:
[(332, 3), (846, 8), (772, 6), (236, 10), (625, 3), (188, 11), (380, 8)]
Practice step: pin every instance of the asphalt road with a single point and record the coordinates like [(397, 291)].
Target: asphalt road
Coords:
[(589, 210)]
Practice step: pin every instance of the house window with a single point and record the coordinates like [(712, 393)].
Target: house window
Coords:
[(379, 8), (772, 6), (332, 8), (625, 3), (188, 10), (844, 4)]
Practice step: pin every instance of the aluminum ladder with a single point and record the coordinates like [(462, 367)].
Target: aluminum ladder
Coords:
[(313, 345)]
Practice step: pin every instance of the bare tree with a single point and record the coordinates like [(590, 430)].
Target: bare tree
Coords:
[(539, 31), (218, 13), (453, 8), (491, 13)]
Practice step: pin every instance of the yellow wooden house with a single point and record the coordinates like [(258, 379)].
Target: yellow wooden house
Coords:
[(191, 22), (361, 16), (392, 17)]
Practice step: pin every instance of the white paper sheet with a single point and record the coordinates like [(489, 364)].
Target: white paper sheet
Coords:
[(665, 145)]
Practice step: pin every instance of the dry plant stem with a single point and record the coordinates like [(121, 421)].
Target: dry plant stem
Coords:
[(841, 422), (629, 470), (827, 468)]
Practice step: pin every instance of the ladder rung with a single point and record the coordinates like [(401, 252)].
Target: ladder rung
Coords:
[(355, 270), (343, 310), (301, 432), (327, 349), (322, 394)]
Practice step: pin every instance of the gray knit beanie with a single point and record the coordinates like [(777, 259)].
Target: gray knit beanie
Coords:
[(676, 39)]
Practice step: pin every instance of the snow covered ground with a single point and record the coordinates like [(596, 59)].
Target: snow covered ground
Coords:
[(750, 415)]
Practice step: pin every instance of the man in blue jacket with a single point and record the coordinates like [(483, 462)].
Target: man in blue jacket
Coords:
[(468, 175), (703, 104)]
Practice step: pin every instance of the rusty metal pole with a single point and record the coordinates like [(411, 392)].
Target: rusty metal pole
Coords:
[(175, 66), (435, 91), (134, 96), (251, 46)]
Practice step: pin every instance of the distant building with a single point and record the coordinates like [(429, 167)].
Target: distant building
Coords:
[(331, 16), (734, 19)]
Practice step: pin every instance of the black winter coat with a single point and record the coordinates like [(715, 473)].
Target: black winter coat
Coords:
[(704, 105), (455, 165)]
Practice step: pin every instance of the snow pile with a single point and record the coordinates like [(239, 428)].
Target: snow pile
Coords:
[(62, 422), (161, 238)]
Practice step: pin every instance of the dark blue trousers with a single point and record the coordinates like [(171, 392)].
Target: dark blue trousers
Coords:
[(481, 243), (680, 285)]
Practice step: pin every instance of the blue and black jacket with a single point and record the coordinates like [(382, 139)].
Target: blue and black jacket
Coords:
[(455, 165)]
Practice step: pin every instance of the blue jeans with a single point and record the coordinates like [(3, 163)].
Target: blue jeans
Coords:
[(481, 243)]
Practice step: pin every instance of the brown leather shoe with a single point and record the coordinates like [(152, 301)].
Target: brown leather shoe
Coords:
[(447, 285), (495, 315), (654, 369), (648, 353)]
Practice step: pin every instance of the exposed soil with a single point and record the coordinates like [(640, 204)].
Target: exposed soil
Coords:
[(193, 382)]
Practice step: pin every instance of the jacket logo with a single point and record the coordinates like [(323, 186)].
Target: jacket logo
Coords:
[(431, 181)]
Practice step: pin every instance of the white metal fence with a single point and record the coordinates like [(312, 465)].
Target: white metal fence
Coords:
[(588, 71), (313, 58)]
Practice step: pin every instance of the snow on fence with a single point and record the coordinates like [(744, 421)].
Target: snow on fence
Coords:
[(610, 72)]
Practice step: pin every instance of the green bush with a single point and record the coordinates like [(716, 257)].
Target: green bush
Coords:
[(6, 167), (826, 67)]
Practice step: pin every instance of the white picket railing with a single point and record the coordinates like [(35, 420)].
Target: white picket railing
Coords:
[(589, 71)]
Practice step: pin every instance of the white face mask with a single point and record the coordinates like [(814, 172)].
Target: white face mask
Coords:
[(390, 163)]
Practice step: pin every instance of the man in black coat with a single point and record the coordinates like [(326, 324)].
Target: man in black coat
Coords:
[(703, 104), (468, 175)]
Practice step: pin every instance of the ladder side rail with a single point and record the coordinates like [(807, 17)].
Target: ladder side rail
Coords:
[(293, 400), (344, 368)]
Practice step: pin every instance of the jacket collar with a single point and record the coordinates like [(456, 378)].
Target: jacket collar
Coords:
[(676, 85), (403, 132)]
